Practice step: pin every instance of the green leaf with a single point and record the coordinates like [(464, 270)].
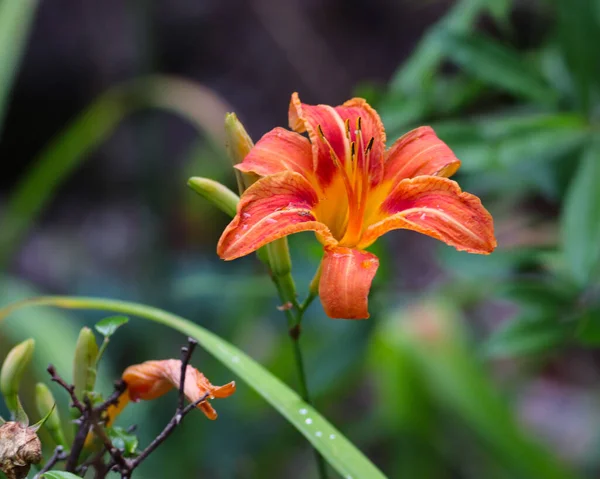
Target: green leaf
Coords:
[(588, 327), (420, 68), (527, 336), (15, 23), (581, 219), (343, 456), (123, 440), (107, 326), (59, 475), (578, 29), (498, 65), (432, 335)]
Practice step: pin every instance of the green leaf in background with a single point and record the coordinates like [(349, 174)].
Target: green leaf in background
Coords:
[(588, 327), (497, 65), (581, 219), (15, 22), (431, 334), (419, 69), (123, 440), (524, 335), (578, 23), (341, 454), (59, 475), (108, 326)]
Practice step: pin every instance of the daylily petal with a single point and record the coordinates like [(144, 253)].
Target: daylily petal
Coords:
[(419, 152), (436, 207), (277, 151), (309, 118), (152, 379), (273, 207), (372, 127), (346, 276)]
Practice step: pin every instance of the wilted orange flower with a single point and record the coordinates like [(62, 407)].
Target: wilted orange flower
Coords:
[(344, 185), (152, 379)]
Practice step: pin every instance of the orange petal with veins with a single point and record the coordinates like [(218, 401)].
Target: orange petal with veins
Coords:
[(277, 151), (273, 207), (419, 152), (346, 277), (152, 379), (436, 207)]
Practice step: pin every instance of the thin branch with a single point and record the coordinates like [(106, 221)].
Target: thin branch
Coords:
[(58, 456), (166, 432), (186, 355), (75, 402)]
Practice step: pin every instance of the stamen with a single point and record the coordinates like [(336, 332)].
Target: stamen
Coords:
[(359, 124), (352, 199), (347, 124), (369, 145), (352, 150)]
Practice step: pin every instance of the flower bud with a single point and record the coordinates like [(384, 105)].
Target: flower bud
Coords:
[(218, 194), (84, 364), (46, 406), (10, 376), (238, 145), (19, 448)]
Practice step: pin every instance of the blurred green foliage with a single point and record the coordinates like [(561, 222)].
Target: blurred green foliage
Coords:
[(434, 385)]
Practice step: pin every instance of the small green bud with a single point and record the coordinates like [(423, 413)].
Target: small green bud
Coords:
[(10, 376), (84, 364), (238, 144), (46, 406), (218, 194)]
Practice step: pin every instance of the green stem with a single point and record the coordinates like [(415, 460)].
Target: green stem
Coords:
[(294, 313)]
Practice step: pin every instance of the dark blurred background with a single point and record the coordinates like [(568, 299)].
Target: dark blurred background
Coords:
[(469, 367)]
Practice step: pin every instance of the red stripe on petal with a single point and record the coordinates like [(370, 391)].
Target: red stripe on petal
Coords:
[(419, 152), (279, 150), (372, 127), (271, 208), (346, 279), (303, 117), (436, 207)]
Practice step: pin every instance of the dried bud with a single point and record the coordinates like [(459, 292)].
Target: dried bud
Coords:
[(12, 370), (19, 448), (238, 144), (84, 364), (218, 194), (46, 406)]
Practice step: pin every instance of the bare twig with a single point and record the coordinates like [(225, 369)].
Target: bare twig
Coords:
[(186, 354), (75, 402), (58, 455), (166, 432)]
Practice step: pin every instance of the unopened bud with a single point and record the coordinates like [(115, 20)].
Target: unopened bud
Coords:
[(10, 376), (238, 145), (84, 364), (19, 448), (46, 406), (218, 194)]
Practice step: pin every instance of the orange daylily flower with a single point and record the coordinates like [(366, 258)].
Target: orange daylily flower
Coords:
[(152, 379), (344, 185)]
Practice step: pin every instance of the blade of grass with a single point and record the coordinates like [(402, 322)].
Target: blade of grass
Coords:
[(16, 18)]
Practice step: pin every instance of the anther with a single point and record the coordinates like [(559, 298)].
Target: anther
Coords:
[(347, 124), (359, 123), (320, 130), (352, 149), (369, 145)]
